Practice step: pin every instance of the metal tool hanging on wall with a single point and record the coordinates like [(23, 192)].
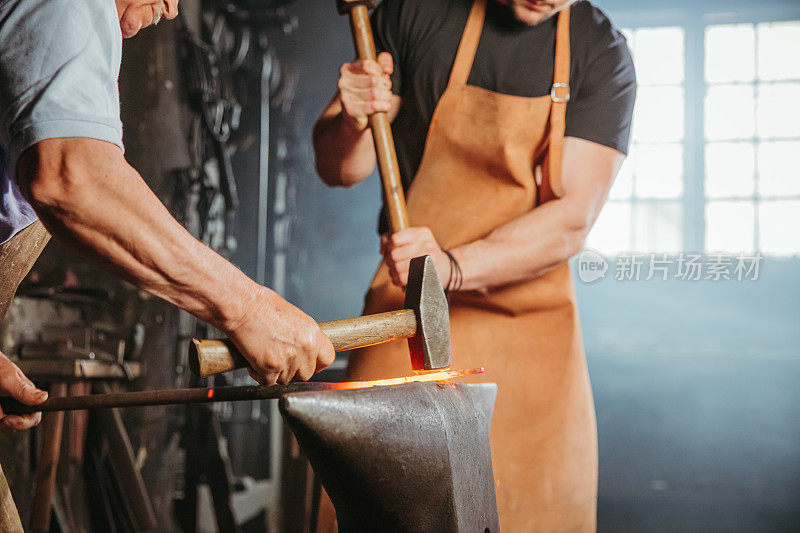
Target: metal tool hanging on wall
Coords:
[(210, 89)]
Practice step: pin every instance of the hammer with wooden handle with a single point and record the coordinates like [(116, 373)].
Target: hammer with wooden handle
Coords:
[(378, 122), (425, 321)]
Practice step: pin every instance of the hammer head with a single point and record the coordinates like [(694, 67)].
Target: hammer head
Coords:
[(430, 347), (344, 6)]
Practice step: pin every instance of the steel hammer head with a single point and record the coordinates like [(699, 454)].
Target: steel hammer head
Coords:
[(430, 347)]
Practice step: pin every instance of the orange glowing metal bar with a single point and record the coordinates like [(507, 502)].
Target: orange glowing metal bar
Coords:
[(221, 394), (440, 375)]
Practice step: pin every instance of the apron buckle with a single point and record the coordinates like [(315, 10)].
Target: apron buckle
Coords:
[(559, 99)]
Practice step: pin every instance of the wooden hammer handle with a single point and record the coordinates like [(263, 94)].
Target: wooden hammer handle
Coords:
[(381, 128), (209, 357)]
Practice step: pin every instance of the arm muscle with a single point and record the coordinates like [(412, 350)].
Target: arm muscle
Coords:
[(90, 198), (539, 240)]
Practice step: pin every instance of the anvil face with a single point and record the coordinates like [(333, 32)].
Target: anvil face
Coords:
[(411, 457)]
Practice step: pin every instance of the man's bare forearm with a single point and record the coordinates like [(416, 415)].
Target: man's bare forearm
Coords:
[(96, 204), (522, 249), (344, 154)]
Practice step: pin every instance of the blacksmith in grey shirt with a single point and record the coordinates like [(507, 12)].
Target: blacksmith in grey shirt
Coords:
[(58, 78), (62, 160)]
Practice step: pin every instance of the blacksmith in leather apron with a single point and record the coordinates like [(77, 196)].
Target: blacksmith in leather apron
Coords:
[(478, 172)]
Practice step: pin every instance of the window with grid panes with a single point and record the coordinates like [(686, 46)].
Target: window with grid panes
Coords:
[(749, 162), (752, 138), (644, 211)]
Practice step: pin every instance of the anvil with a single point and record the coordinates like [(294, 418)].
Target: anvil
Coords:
[(411, 457)]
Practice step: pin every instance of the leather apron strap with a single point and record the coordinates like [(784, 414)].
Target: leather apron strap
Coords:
[(559, 94), (468, 45)]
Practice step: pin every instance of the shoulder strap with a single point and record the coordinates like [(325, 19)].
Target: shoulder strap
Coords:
[(468, 45), (559, 94)]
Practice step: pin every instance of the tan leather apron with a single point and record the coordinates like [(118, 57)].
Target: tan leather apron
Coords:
[(477, 173)]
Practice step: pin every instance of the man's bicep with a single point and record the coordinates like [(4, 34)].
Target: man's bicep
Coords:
[(52, 167), (588, 172), (602, 109)]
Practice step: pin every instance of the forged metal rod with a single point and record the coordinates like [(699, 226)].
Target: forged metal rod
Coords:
[(208, 395), (160, 397)]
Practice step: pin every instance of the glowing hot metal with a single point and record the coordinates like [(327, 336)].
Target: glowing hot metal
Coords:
[(422, 377), (219, 394)]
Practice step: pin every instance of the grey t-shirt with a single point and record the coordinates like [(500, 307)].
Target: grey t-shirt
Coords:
[(59, 63)]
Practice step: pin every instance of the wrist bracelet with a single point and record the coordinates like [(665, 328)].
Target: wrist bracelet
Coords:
[(456, 277), (450, 276)]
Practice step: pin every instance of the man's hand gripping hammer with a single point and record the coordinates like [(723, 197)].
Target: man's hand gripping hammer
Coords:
[(424, 321)]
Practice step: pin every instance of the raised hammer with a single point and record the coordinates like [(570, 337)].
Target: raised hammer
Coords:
[(424, 321), (388, 168)]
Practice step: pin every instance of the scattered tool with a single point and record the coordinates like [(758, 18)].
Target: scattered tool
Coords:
[(209, 395), (425, 321), (378, 122)]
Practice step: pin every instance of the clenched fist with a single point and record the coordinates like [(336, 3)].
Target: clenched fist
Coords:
[(365, 88), (15, 384), (398, 249), (279, 340)]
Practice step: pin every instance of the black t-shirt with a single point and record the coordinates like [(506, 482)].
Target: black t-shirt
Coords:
[(512, 58)]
